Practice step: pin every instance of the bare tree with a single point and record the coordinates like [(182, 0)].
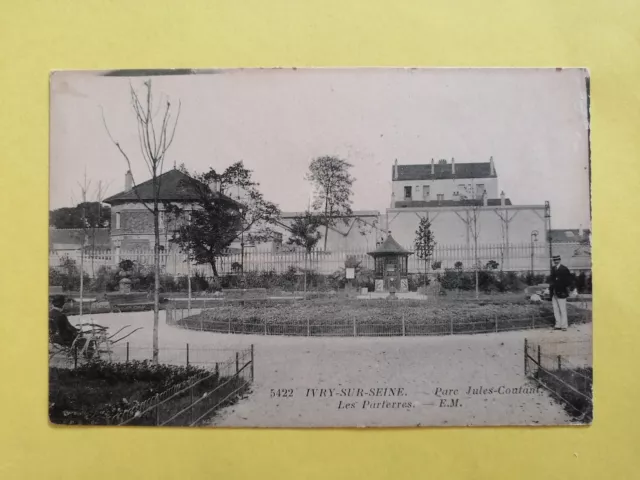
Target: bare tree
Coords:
[(474, 204), (84, 187), (101, 189), (154, 141)]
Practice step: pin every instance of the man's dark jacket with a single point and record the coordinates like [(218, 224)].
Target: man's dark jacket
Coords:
[(60, 327), (561, 281)]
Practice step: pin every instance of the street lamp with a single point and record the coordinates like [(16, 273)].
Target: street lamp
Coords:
[(534, 238)]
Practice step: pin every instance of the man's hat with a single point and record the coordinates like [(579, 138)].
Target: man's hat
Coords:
[(58, 301), (556, 257)]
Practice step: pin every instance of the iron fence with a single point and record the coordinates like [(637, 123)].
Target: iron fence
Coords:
[(190, 355), (564, 369), (510, 257), (179, 317), (195, 400)]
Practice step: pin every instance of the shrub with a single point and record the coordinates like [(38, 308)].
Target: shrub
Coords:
[(67, 275), (106, 279)]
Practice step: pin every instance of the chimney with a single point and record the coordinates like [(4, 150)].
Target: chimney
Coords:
[(128, 181), (502, 198), (492, 168), (433, 168), (395, 170), (453, 166)]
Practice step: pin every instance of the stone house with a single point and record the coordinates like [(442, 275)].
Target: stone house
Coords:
[(131, 221)]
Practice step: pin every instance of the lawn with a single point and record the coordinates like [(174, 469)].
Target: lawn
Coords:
[(375, 317)]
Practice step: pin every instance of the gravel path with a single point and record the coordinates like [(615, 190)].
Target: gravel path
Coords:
[(419, 365)]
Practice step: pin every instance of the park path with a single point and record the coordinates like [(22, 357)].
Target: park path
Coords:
[(419, 365)]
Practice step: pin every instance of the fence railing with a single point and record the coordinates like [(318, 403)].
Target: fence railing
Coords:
[(179, 317), (194, 401), (511, 257), (190, 355), (564, 369)]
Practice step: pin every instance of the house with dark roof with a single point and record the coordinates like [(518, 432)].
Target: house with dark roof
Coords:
[(131, 221), (443, 183)]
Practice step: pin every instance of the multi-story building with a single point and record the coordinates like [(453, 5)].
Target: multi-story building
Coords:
[(442, 183), (131, 220)]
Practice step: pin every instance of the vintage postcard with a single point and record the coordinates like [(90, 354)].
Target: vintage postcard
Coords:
[(320, 247)]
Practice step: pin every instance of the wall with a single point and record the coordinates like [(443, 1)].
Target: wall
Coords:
[(359, 232), (136, 226), (448, 224), (447, 187)]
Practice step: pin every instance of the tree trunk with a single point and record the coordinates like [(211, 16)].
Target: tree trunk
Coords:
[(214, 269), (189, 284), (156, 290), (475, 254), (306, 254)]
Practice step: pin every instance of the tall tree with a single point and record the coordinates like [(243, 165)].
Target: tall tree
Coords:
[(217, 220), (304, 233), (424, 243), (156, 128), (96, 215), (333, 182), (474, 204)]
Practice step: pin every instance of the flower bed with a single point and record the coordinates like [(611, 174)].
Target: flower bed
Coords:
[(357, 317), (94, 393)]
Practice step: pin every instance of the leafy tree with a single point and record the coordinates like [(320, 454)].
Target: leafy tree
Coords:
[(492, 265), (217, 220), (332, 181), (96, 215), (304, 233), (424, 243)]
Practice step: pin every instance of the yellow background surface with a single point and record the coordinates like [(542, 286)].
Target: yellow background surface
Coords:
[(38, 36)]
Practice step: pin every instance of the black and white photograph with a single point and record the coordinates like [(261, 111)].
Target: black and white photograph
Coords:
[(320, 247)]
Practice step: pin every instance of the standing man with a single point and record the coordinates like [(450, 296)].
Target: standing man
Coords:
[(559, 288)]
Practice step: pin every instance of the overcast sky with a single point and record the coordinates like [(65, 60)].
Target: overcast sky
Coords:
[(533, 123)]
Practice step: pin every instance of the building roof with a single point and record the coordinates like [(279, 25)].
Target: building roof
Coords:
[(73, 236), (354, 214), (173, 187), (491, 202), (444, 171), (571, 235), (389, 247)]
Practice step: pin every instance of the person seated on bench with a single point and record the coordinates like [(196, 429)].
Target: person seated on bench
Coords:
[(60, 329)]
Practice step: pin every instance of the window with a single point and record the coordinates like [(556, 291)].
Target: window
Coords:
[(440, 197), (407, 193), (425, 192), (117, 220)]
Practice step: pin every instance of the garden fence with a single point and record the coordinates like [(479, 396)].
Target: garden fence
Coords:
[(564, 369), (197, 356), (511, 257), (308, 327), (194, 401)]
